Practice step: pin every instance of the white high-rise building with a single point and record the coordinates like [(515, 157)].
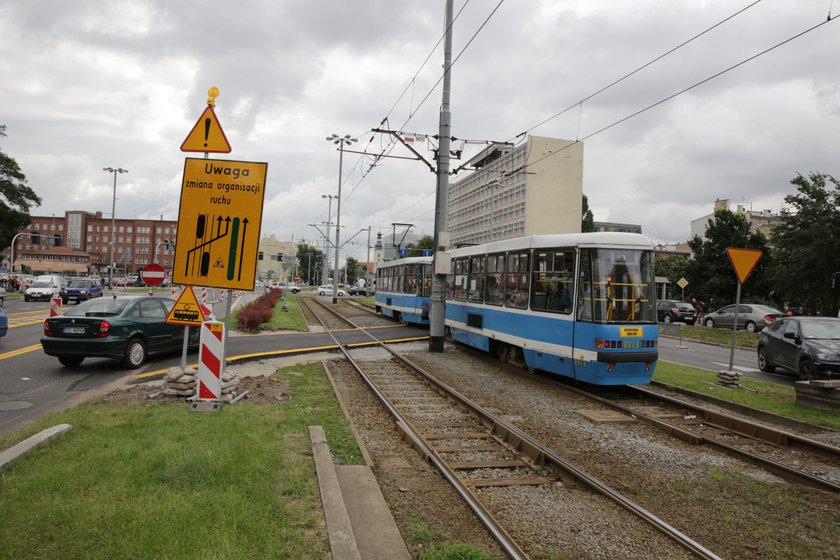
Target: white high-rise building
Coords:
[(534, 188)]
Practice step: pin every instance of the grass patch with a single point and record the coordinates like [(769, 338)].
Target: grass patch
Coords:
[(763, 395), (428, 542), (158, 481), (743, 339), (801, 519)]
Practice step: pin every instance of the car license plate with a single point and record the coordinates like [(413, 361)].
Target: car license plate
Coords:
[(74, 330)]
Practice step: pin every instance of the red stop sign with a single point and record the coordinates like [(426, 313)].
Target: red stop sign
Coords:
[(152, 274)]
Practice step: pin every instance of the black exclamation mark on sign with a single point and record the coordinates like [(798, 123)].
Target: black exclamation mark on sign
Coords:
[(206, 130)]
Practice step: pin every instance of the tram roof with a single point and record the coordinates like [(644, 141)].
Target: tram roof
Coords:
[(607, 239), (405, 260)]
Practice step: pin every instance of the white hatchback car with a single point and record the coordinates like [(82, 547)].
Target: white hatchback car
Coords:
[(328, 289)]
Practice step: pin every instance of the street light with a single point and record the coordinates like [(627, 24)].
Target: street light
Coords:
[(341, 141), (113, 216), (327, 236)]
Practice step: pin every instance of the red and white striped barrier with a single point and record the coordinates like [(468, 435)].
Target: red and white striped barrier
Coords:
[(55, 307), (210, 361)]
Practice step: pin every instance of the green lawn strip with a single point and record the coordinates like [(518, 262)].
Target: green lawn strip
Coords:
[(762, 514), (743, 339), (290, 320), (755, 393), (158, 481)]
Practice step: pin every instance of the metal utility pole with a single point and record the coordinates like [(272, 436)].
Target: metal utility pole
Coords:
[(327, 236), (341, 141), (113, 226), (441, 263)]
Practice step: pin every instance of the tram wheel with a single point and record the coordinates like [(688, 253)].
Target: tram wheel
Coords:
[(503, 351)]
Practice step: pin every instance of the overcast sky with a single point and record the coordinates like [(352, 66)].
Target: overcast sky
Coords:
[(90, 84)]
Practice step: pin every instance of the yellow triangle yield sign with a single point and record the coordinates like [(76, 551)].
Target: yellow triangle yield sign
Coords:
[(186, 310), (744, 261), (207, 135)]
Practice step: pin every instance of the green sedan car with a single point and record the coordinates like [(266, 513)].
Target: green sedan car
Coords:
[(127, 328)]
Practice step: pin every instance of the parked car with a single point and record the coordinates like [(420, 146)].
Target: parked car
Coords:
[(2, 297), (752, 317), (670, 311), (809, 346), (128, 328), (81, 289), (4, 323), (327, 290), (294, 288)]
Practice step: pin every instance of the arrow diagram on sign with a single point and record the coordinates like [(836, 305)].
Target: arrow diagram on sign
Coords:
[(200, 232), (234, 240), (242, 247), (219, 226)]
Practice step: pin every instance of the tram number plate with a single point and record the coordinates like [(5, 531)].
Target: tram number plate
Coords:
[(634, 344), (631, 332)]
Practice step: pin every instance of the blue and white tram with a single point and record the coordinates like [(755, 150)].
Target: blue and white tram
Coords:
[(577, 305), (403, 289)]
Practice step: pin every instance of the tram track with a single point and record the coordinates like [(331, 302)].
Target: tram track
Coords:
[(792, 457), (476, 450)]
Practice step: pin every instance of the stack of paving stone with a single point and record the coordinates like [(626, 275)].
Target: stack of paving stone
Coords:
[(729, 378), (181, 383)]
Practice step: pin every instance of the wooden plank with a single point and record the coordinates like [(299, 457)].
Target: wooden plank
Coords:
[(500, 464), (501, 482)]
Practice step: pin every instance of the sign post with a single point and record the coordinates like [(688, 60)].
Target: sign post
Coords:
[(153, 274), (682, 283), (187, 312), (743, 261)]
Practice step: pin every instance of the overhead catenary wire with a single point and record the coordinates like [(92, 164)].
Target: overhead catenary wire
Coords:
[(580, 103), (678, 93)]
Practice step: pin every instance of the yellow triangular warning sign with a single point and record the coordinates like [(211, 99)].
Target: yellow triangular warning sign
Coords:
[(186, 310), (743, 261), (207, 135)]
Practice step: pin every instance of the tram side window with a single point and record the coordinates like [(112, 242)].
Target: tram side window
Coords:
[(553, 281), (426, 279), (460, 287), (516, 281), (476, 293), (450, 281), (495, 287), (410, 279)]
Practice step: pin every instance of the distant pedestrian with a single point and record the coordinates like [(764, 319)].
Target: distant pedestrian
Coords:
[(698, 306)]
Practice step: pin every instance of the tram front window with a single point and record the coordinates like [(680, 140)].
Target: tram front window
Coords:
[(616, 286)]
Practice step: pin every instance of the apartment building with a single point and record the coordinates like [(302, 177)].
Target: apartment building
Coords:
[(79, 243), (531, 189)]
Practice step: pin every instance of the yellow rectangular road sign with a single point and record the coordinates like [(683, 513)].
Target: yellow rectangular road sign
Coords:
[(219, 223)]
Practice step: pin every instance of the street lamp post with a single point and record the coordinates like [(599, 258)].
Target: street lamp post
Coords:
[(341, 141), (113, 220), (327, 236)]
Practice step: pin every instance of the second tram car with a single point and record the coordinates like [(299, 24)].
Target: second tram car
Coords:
[(576, 305), (403, 289)]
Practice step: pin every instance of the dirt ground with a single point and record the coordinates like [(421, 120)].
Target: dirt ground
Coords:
[(260, 390)]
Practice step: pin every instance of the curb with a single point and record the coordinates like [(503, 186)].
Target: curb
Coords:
[(12, 454)]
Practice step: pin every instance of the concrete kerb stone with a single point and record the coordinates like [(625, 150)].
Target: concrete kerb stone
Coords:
[(342, 541), (12, 454)]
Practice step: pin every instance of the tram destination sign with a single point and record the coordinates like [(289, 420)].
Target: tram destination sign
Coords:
[(219, 221)]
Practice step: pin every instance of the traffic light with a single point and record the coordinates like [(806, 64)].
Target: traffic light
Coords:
[(57, 240), (279, 257), (35, 238)]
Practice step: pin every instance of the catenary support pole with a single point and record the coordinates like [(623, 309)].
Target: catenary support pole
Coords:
[(436, 312)]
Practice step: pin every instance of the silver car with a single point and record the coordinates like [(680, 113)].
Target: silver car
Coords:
[(752, 317)]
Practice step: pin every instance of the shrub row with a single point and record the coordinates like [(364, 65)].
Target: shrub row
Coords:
[(258, 311)]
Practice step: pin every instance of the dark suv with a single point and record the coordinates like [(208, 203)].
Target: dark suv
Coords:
[(81, 289), (670, 311)]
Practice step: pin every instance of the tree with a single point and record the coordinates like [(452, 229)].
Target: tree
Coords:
[(711, 276), (427, 242), (587, 220), (15, 197), (351, 269), (805, 245), (673, 267), (311, 260)]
